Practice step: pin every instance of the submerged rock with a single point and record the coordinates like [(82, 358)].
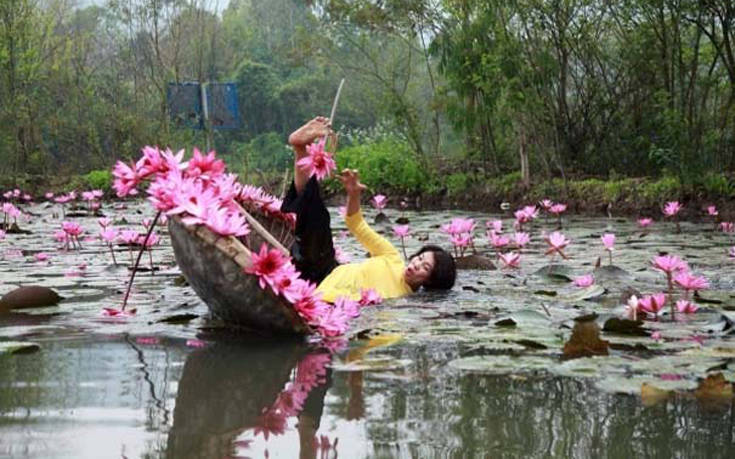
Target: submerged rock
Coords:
[(474, 262), (30, 296)]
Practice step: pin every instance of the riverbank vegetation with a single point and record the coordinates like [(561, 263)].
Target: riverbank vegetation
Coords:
[(625, 104)]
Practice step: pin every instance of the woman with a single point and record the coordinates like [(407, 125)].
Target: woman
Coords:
[(313, 250)]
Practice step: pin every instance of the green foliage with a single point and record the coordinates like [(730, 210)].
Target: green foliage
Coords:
[(717, 185), (457, 183), (666, 188), (98, 179), (385, 164), (263, 154)]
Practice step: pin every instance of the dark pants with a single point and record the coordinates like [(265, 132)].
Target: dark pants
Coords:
[(313, 250)]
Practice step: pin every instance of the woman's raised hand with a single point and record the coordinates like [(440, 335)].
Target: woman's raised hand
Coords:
[(350, 178)]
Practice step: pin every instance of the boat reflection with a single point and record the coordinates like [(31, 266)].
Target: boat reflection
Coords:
[(229, 388)]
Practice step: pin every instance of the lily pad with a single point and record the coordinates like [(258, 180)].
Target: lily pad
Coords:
[(611, 273), (556, 272), (587, 293), (18, 347)]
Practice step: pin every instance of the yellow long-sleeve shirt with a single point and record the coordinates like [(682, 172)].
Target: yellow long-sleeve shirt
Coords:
[(383, 271)]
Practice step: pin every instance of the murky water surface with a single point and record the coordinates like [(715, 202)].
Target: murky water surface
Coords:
[(481, 371)]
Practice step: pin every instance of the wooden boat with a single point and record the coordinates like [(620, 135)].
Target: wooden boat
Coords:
[(213, 265), (223, 391)]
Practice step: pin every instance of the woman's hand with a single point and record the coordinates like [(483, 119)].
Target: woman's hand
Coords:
[(350, 178), (351, 181)]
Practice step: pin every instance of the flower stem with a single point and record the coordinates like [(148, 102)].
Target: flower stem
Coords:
[(137, 261)]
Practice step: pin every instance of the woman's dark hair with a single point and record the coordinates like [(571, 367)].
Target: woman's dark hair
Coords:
[(444, 273)]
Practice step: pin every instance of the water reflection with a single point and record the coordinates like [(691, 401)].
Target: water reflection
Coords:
[(230, 389), (142, 397)]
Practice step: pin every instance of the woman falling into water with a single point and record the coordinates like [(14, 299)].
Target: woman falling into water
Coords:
[(313, 250)]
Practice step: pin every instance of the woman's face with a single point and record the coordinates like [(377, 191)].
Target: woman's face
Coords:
[(419, 269)]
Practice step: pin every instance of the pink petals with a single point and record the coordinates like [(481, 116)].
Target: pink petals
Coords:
[(686, 307), (645, 222), (669, 264), (584, 281), (114, 312), (672, 208), (690, 282), (379, 201), (510, 260), (557, 242), (608, 241), (402, 231), (319, 162), (652, 304)]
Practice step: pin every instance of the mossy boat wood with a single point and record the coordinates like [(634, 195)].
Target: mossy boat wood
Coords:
[(214, 267)]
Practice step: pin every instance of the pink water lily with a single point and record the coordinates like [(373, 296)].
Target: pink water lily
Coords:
[(42, 256), (712, 211), (48, 195), (126, 179), (226, 222), (265, 265), (129, 236), (402, 230), (557, 209), (672, 208), (521, 239), (318, 161), (370, 296), (690, 282), (645, 222), (686, 306), (652, 304), (510, 260), (669, 264), (152, 240), (557, 242), (73, 230), (631, 308), (656, 336), (546, 204), (108, 235), (608, 241), (584, 281), (284, 279), (379, 201), (461, 240), (727, 227), (459, 226), (495, 225), (498, 241), (206, 167), (525, 215)]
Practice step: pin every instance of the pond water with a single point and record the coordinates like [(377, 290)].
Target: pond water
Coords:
[(484, 370)]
